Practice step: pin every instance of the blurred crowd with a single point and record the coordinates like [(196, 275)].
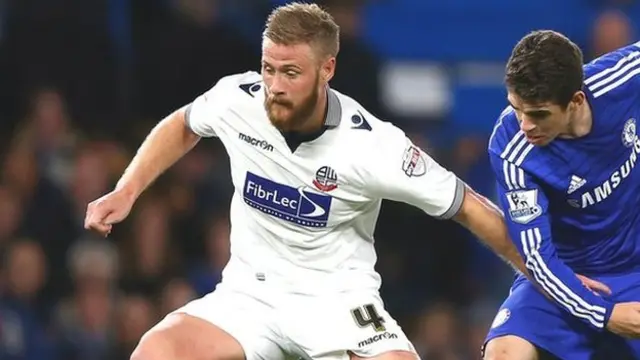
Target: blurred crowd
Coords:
[(74, 106)]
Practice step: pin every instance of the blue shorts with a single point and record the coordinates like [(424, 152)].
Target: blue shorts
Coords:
[(528, 314)]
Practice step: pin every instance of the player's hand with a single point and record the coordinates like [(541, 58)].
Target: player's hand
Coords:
[(625, 320), (596, 287), (106, 211)]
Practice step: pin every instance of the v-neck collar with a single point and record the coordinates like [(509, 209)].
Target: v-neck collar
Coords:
[(331, 120)]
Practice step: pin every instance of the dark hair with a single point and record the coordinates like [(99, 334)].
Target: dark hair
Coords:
[(545, 66)]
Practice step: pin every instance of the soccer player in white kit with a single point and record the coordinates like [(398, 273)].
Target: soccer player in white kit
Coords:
[(310, 168)]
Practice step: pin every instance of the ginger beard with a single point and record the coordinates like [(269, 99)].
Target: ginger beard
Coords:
[(285, 114)]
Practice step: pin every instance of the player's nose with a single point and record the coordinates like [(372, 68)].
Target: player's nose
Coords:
[(276, 87), (527, 125)]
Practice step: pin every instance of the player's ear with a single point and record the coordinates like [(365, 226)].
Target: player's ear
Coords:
[(328, 69), (577, 100)]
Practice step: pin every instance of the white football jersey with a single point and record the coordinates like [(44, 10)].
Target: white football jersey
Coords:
[(305, 218)]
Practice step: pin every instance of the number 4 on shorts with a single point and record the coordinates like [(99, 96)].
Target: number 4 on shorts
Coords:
[(367, 315)]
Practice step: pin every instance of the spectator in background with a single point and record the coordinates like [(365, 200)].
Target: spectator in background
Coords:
[(11, 211), (47, 213), (24, 319), (48, 130), (175, 294), (478, 318), (89, 176), (85, 319), (611, 30), (437, 333), (199, 184), (148, 259), (205, 275), (136, 315)]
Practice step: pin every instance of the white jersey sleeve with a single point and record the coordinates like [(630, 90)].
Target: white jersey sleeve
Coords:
[(401, 171), (204, 114)]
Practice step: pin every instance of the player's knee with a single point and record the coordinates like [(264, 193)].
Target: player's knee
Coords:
[(155, 345), (510, 348), (181, 336), (146, 353)]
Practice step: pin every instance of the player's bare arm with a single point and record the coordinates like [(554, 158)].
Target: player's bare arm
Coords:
[(164, 145), (485, 220)]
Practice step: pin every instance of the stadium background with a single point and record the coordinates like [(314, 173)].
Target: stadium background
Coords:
[(82, 82)]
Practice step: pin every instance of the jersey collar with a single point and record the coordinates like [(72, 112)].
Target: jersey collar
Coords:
[(334, 109), (331, 120)]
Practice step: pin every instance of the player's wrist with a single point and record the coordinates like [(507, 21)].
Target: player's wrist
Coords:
[(129, 191), (608, 310)]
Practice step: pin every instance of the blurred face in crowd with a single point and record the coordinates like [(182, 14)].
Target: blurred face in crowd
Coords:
[(95, 308), (176, 294), (612, 30), (20, 170), (294, 77), (50, 114), (136, 315), (151, 236), (11, 210), (437, 327), (25, 269), (90, 177)]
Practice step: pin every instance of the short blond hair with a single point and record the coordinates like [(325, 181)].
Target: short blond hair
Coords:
[(301, 23)]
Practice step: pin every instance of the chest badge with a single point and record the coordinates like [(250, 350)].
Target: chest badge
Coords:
[(629, 134), (326, 179)]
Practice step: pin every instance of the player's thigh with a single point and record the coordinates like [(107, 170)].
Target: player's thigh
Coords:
[(510, 347), (182, 336), (389, 355), (528, 322), (243, 317), (349, 324)]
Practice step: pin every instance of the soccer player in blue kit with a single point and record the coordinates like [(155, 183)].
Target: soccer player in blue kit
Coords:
[(564, 154)]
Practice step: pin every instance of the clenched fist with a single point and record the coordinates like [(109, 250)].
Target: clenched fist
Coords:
[(108, 210)]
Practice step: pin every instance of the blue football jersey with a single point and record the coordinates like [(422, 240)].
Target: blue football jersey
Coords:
[(573, 206)]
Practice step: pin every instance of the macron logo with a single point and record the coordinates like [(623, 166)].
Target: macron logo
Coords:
[(575, 184), (255, 142)]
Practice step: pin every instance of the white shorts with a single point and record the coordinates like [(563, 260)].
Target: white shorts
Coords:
[(274, 326)]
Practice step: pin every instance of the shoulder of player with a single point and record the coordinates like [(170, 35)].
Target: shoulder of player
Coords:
[(358, 124), (610, 74), (238, 88), (371, 138), (235, 80), (506, 128)]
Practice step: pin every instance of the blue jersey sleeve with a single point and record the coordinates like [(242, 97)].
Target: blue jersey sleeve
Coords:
[(525, 207)]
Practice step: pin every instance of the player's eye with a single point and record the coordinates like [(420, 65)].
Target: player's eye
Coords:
[(268, 69), (538, 115), (292, 74)]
